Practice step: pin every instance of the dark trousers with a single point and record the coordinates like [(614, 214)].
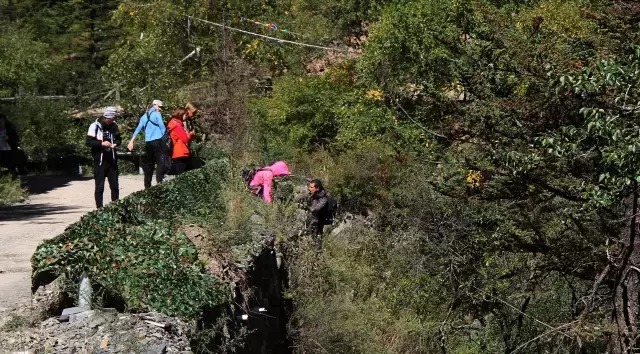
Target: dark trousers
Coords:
[(316, 229), (180, 165), (108, 170), (7, 160), (154, 155)]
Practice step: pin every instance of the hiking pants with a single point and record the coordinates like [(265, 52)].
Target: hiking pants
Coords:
[(108, 170), (154, 155), (316, 228), (180, 165)]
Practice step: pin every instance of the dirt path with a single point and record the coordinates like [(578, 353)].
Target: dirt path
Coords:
[(55, 202)]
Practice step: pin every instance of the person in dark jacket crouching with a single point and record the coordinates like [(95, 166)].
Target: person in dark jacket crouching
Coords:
[(103, 138), (317, 204)]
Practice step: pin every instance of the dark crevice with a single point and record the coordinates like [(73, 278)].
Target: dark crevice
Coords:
[(263, 330), (267, 320)]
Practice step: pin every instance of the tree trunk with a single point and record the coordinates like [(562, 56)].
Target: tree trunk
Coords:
[(627, 286)]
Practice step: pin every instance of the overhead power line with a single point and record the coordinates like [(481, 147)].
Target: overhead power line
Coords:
[(267, 37)]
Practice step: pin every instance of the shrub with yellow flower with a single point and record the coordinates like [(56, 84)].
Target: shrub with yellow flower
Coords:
[(375, 95), (474, 178)]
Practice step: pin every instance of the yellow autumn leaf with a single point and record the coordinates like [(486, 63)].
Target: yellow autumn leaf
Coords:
[(474, 178), (375, 94)]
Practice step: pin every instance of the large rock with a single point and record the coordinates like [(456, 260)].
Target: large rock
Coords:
[(46, 302), (102, 332)]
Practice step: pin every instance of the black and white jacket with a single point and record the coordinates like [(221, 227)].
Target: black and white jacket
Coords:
[(99, 132)]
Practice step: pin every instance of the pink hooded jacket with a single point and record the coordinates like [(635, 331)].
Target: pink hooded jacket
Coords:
[(264, 178)]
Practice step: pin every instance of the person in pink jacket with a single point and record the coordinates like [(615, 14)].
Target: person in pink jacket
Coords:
[(264, 178)]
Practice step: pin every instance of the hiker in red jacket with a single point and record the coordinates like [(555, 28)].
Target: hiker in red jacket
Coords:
[(180, 138)]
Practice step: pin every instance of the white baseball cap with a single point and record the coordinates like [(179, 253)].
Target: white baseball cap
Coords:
[(158, 102)]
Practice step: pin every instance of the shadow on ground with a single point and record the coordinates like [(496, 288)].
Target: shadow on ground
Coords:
[(44, 184), (24, 212)]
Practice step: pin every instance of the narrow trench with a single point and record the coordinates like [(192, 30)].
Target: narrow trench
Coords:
[(265, 317), (290, 325), (269, 310)]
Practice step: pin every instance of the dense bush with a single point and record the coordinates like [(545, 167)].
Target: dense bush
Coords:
[(414, 279), (327, 112), (131, 250)]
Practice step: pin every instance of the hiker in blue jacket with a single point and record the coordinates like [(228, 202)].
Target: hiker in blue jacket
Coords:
[(154, 129)]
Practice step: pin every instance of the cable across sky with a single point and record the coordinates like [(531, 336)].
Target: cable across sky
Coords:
[(265, 36)]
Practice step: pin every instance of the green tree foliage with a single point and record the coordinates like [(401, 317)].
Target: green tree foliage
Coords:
[(32, 117), (71, 38), (535, 153), (23, 60), (604, 144), (414, 43), (326, 112)]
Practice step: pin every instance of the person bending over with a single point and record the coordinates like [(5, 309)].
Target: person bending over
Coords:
[(263, 179)]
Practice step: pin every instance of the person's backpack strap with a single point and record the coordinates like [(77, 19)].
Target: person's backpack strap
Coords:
[(167, 130), (150, 121), (98, 127), (154, 123), (166, 136)]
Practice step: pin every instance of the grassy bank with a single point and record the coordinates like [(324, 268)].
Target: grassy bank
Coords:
[(10, 191)]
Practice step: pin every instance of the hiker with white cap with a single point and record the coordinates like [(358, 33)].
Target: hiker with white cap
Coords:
[(155, 154), (103, 138)]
